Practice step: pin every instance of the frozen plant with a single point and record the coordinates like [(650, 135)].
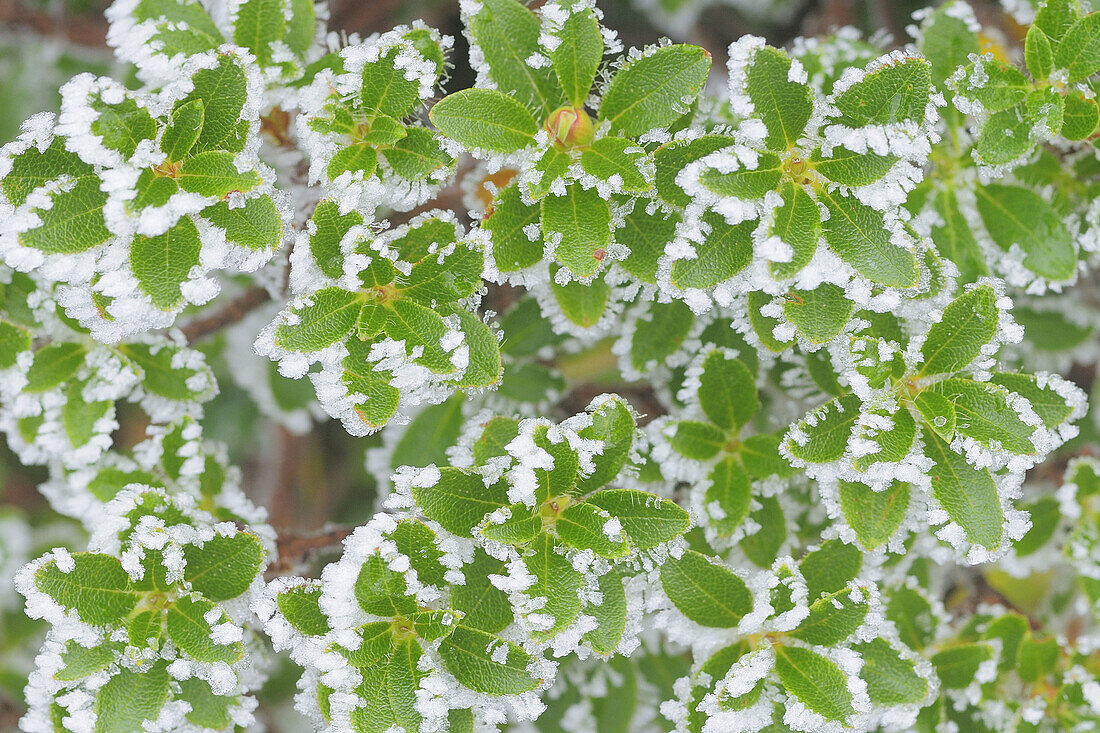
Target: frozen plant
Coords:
[(695, 400)]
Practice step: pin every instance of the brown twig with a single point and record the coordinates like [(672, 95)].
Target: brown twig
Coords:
[(230, 313), (296, 549)]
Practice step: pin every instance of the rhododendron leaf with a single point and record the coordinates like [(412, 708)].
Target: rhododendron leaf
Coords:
[(782, 103), (224, 567), (190, 631), (96, 587), (968, 323), (967, 494), (468, 654), (577, 56), (580, 223), (814, 681), (485, 119), (705, 592), (833, 618), (891, 679), (652, 92), (459, 500), (647, 519), (1047, 244), (328, 317), (184, 130), (163, 263), (858, 235), (874, 515), (1079, 49), (130, 699), (820, 314)]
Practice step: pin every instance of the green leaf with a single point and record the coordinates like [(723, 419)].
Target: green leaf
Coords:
[(1016, 215), (955, 240), (521, 527), (815, 681), (659, 336), (459, 500), (826, 439), (797, 223), (557, 582), (912, 614), (512, 248), (53, 365), (983, 414), (385, 90), (727, 391), (698, 441), (969, 323), (1079, 50), (223, 91), (947, 42), (967, 494), (485, 119), (957, 666), (507, 34), (577, 56), (652, 92), (1050, 406), (938, 413), (763, 546), (382, 592), (14, 340), (851, 168), (258, 24), (760, 454), (224, 567), (859, 236), (213, 173), (485, 606), (745, 183), (705, 592), (129, 699), (613, 425), (582, 304), (891, 680), (818, 315), (874, 515), (354, 158), (417, 155), (185, 129), (647, 519), (730, 487), (429, 435), (832, 618), (897, 91), (79, 417), (444, 278), (158, 376), (582, 526), (830, 567), (301, 607), (784, 106), (328, 316), (189, 630), (468, 655), (580, 222), (207, 709), (894, 443), (673, 157), (611, 614), (422, 330), (74, 222), (122, 126), (163, 263), (1037, 658), (616, 156), (256, 226), (725, 251), (1038, 54), (97, 587), (82, 661)]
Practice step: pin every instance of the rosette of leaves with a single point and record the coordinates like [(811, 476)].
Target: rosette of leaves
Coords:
[(398, 324), (937, 403), (1015, 111), (58, 394), (132, 198), (146, 619), (393, 607), (799, 666), (543, 501), (175, 459), (581, 159), (799, 169), (359, 121), (155, 35), (979, 223), (704, 446)]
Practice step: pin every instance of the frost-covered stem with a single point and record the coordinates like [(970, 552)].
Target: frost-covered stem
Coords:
[(230, 313), (295, 548)]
